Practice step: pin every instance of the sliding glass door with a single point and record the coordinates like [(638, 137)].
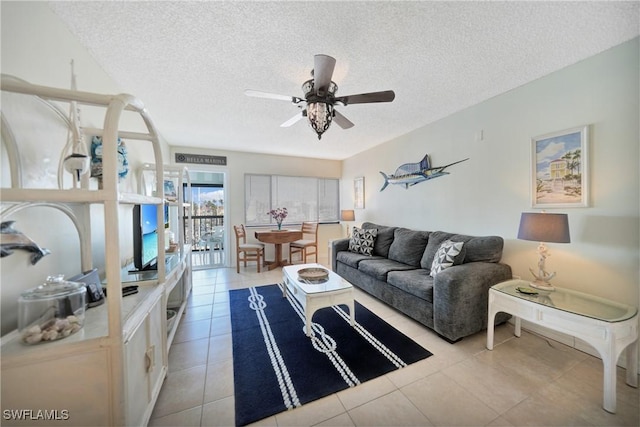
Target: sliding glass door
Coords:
[(207, 225)]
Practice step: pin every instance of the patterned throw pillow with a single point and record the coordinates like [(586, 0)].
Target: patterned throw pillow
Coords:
[(449, 254), (362, 240)]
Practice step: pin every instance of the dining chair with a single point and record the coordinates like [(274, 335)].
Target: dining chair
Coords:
[(246, 251), (308, 242)]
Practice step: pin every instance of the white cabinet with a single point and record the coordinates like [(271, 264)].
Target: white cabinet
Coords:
[(144, 367), (73, 384), (111, 371)]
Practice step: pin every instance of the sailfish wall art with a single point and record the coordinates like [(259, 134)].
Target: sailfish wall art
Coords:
[(410, 174)]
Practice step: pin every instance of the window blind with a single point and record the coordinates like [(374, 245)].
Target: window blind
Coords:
[(306, 198)]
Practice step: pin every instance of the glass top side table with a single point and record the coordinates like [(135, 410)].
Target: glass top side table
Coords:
[(610, 327), (571, 301)]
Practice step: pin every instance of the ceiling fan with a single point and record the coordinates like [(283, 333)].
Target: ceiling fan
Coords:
[(319, 98)]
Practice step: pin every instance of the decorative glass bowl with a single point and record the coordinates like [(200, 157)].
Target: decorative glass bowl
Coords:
[(51, 311)]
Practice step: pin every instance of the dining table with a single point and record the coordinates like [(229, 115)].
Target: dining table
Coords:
[(278, 238)]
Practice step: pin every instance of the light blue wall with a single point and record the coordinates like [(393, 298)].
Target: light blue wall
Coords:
[(486, 194)]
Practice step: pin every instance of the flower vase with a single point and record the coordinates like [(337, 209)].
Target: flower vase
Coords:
[(279, 225)]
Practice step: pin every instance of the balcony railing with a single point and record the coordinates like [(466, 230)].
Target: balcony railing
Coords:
[(201, 225)]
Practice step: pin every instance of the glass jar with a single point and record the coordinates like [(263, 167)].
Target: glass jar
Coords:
[(51, 311)]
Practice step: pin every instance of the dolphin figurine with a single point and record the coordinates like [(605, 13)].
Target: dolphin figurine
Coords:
[(410, 174), (11, 239)]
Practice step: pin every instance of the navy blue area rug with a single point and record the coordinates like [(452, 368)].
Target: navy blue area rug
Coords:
[(276, 367)]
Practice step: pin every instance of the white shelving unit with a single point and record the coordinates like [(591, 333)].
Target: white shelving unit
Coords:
[(111, 371), (177, 291)]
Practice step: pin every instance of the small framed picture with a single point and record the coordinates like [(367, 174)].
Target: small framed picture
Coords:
[(170, 190), (358, 193), (560, 169)]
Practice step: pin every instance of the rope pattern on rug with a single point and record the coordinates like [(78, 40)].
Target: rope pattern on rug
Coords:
[(289, 395), (393, 358), (325, 344)]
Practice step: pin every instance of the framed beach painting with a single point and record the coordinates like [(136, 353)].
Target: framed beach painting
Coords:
[(358, 193), (170, 190), (560, 169)]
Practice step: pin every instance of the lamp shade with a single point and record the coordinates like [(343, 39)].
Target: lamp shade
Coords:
[(348, 215), (544, 227)]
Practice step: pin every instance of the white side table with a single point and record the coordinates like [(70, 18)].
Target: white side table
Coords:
[(610, 327)]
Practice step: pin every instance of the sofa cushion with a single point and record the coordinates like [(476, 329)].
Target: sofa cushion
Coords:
[(361, 241), (487, 248), (416, 282), (484, 248), (352, 259), (449, 254), (408, 246), (380, 267)]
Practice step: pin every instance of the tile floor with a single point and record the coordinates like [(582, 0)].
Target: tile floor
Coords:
[(527, 381)]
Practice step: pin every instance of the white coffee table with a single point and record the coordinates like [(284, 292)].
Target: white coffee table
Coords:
[(314, 296)]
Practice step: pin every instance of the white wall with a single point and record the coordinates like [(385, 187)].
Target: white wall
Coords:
[(486, 194), (240, 163), (37, 47)]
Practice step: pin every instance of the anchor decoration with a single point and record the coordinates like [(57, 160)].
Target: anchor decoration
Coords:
[(411, 174)]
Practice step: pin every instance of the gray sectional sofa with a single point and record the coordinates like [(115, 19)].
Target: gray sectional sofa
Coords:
[(452, 302)]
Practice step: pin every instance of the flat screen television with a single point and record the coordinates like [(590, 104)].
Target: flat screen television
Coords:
[(145, 237)]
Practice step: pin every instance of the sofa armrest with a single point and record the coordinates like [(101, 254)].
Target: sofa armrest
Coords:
[(338, 246), (461, 297)]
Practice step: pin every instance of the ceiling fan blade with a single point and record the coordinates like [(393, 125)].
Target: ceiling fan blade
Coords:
[(364, 98), (292, 120), (260, 94), (342, 121), (323, 66)]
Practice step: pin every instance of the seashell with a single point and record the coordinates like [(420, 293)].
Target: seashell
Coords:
[(52, 329), (48, 324), (61, 324), (33, 338), (35, 329), (50, 335)]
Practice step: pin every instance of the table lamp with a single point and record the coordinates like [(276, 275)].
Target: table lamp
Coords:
[(348, 215), (544, 227)]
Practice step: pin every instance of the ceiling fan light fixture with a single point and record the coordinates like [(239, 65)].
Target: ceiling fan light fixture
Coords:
[(320, 115), (320, 97)]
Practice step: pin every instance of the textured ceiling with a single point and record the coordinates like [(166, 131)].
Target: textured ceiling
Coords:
[(191, 61)]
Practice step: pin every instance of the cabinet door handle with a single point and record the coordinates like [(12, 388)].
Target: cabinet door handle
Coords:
[(149, 358)]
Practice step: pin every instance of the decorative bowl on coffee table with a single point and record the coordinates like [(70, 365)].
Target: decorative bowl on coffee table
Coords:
[(313, 275)]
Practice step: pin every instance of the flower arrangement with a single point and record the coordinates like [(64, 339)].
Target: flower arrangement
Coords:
[(279, 214)]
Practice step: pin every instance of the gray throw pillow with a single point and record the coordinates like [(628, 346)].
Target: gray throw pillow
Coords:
[(408, 246), (384, 239), (362, 241), (449, 254)]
